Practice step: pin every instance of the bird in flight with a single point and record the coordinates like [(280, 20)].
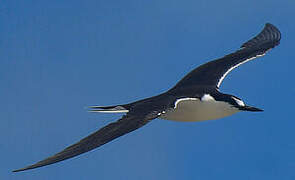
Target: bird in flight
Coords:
[(196, 97)]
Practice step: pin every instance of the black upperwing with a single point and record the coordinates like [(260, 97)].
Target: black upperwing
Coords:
[(126, 124), (213, 73)]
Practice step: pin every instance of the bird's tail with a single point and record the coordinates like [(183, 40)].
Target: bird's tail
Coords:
[(109, 109)]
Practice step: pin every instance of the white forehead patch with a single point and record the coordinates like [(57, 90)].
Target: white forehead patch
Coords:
[(239, 102), (207, 97)]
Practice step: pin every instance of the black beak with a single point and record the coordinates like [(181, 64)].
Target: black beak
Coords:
[(249, 108)]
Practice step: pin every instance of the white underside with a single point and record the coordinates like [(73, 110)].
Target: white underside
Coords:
[(192, 109)]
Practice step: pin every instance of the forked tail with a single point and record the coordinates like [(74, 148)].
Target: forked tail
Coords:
[(109, 109)]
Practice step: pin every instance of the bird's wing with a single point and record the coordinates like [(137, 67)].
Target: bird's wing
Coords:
[(213, 73), (104, 135)]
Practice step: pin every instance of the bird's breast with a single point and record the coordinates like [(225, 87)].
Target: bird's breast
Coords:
[(193, 109)]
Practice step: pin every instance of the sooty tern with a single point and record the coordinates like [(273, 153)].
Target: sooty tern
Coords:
[(196, 97)]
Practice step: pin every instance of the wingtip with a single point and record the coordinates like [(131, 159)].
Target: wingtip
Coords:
[(270, 25), (17, 170), (27, 168), (270, 36), (274, 29), (22, 169)]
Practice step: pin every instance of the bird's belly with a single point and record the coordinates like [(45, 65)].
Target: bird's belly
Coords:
[(199, 111)]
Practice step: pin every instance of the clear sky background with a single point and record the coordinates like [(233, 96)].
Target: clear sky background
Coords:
[(58, 57)]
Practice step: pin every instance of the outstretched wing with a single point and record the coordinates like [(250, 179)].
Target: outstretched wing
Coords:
[(213, 73), (104, 135)]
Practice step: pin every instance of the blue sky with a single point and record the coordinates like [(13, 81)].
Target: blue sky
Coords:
[(58, 57)]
